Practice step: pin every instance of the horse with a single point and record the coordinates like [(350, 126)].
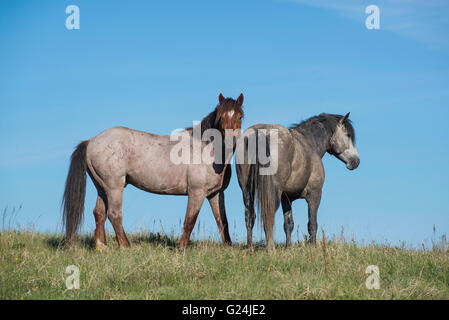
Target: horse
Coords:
[(300, 173), (120, 156)]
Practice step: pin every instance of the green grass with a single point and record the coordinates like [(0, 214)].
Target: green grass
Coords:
[(32, 266)]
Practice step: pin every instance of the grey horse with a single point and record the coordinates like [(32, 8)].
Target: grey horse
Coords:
[(120, 156), (300, 173)]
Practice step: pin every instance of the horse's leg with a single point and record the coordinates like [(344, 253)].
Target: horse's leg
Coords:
[(217, 204), (250, 216), (288, 219), (313, 200), (100, 218), (115, 197), (193, 208)]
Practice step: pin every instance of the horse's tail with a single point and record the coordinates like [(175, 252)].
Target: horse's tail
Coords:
[(263, 189), (74, 193)]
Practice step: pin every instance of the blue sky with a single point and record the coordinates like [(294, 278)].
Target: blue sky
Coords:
[(159, 65)]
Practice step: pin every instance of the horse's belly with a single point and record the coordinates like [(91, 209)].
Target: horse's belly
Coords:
[(160, 181)]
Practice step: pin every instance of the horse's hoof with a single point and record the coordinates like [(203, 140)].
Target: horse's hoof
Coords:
[(100, 246)]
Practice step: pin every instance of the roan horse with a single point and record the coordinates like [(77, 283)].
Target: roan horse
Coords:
[(300, 171), (120, 156)]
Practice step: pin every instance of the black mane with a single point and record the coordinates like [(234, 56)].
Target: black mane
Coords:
[(210, 121), (315, 125)]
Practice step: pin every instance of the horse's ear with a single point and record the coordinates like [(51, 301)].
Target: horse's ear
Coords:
[(240, 100), (342, 120), (221, 98)]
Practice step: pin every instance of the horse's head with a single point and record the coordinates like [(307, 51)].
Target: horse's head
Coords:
[(229, 114), (342, 143)]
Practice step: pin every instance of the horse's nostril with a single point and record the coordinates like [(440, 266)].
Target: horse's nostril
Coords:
[(355, 163)]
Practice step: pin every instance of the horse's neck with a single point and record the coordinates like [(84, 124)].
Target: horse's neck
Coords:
[(319, 143), (225, 154)]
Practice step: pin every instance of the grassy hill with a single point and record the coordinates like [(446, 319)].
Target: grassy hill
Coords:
[(33, 265)]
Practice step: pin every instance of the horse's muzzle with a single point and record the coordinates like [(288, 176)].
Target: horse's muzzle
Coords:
[(353, 163)]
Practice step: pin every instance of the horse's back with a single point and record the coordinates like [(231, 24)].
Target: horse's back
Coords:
[(111, 146), (121, 142)]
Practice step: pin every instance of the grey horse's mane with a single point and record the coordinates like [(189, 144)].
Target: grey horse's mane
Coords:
[(314, 125)]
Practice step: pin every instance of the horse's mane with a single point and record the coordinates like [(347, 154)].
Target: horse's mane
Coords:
[(208, 122), (328, 122), (211, 120)]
